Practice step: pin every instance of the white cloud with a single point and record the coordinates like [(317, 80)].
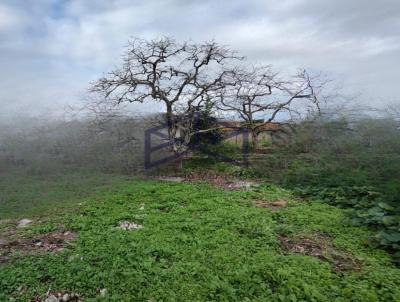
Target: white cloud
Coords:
[(10, 19), (51, 49)]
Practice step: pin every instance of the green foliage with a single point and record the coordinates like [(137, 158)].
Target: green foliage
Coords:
[(205, 120), (264, 143), (368, 208), (215, 157), (22, 193), (351, 165), (227, 149), (199, 243)]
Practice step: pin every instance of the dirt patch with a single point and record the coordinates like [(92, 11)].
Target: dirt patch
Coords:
[(320, 246), (7, 226), (5, 222), (220, 180), (171, 178), (273, 205), (50, 242)]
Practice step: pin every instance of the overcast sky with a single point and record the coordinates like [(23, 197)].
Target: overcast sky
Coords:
[(51, 49)]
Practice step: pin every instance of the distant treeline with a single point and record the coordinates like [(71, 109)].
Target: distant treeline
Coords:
[(111, 145)]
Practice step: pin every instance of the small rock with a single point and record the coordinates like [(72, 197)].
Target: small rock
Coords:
[(103, 292), (38, 243), (51, 298), (65, 298), (128, 226), (75, 296), (242, 184), (23, 223)]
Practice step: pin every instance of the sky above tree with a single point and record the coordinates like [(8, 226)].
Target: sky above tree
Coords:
[(51, 49)]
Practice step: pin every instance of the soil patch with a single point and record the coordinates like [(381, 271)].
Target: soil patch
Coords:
[(171, 178), (273, 205), (50, 242), (320, 246), (220, 180)]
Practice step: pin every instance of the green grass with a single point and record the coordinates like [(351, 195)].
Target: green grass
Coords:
[(23, 194), (198, 243)]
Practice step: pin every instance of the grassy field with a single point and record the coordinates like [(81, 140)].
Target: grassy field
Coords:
[(197, 243), (22, 194)]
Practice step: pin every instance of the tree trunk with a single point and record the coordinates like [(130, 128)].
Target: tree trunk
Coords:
[(172, 136), (170, 121), (172, 129), (254, 139)]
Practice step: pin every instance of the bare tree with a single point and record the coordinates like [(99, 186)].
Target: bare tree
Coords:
[(181, 76), (259, 94)]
